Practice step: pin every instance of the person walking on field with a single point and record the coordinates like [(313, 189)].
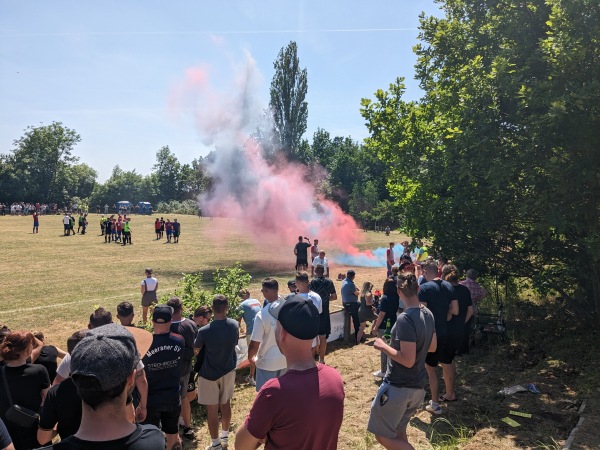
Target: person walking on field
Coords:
[(176, 231), (157, 228), (148, 289)]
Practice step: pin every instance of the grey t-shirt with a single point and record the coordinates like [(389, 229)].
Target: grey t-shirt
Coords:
[(413, 325), (348, 290), (219, 338)]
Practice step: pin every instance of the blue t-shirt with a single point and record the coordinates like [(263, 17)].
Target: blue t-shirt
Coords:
[(348, 290), (248, 309)]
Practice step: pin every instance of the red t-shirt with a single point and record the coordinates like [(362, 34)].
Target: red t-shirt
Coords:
[(301, 410)]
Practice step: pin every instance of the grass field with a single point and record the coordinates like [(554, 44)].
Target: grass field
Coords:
[(52, 283)]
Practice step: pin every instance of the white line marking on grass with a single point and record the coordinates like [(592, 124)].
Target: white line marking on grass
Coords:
[(89, 300)]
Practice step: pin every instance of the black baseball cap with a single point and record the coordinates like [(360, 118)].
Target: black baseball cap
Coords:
[(162, 314), (298, 316)]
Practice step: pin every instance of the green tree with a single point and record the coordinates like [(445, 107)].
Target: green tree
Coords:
[(497, 162), (39, 164), (288, 105), (168, 172)]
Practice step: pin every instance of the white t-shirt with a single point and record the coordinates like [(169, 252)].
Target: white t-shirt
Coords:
[(64, 368), (151, 283), (268, 357), (323, 261), (66, 220)]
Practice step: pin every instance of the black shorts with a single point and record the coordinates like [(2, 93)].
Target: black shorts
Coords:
[(444, 354), (301, 262), (324, 324), (165, 417)]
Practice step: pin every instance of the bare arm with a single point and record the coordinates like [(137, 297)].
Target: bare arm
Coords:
[(58, 379), (245, 441), (453, 310), (44, 436), (378, 321), (333, 296), (61, 352), (253, 350), (35, 353), (141, 382), (433, 344), (406, 355)]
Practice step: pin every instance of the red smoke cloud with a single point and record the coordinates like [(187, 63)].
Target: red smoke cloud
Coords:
[(274, 200)]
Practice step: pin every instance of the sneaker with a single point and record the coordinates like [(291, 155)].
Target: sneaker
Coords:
[(379, 374), (188, 433), (433, 408), (224, 441), (215, 447), (250, 380)]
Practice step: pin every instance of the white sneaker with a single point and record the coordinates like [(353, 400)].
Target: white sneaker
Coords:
[(250, 380), (224, 441), (379, 374), (433, 408), (214, 447)]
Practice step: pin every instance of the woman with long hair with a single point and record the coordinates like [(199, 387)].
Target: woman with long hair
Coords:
[(27, 384), (388, 310), (365, 310)]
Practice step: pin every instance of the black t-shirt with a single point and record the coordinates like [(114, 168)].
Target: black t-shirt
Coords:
[(145, 437), (325, 288), (188, 330), (26, 384), (48, 359), (302, 250), (389, 304), (62, 406), (162, 366), (438, 294), (456, 325)]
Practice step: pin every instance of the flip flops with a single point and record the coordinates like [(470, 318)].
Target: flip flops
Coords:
[(444, 399)]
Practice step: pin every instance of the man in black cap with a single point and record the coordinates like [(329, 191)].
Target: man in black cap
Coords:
[(103, 369), (308, 398), (162, 364)]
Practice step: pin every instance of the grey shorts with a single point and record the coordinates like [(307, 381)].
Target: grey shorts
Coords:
[(262, 376), (392, 408)]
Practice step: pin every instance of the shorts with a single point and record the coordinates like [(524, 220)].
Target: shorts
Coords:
[(176, 233), (164, 416), (324, 324), (301, 262), (217, 392), (392, 408), (169, 232), (191, 383), (148, 298), (262, 376), (444, 354)]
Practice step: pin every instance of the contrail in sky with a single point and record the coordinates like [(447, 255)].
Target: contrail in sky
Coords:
[(186, 33)]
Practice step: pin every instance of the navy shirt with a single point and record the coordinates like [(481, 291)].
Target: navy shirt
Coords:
[(163, 371), (438, 294), (389, 305), (219, 338)]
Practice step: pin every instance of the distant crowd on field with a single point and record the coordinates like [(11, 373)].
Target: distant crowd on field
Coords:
[(26, 208)]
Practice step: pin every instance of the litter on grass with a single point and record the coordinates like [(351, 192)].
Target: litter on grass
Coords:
[(520, 414), (513, 390), (511, 422)]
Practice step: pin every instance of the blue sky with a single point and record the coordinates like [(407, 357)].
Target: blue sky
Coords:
[(106, 68)]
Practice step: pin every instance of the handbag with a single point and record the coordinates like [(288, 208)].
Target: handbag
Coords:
[(16, 414)]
